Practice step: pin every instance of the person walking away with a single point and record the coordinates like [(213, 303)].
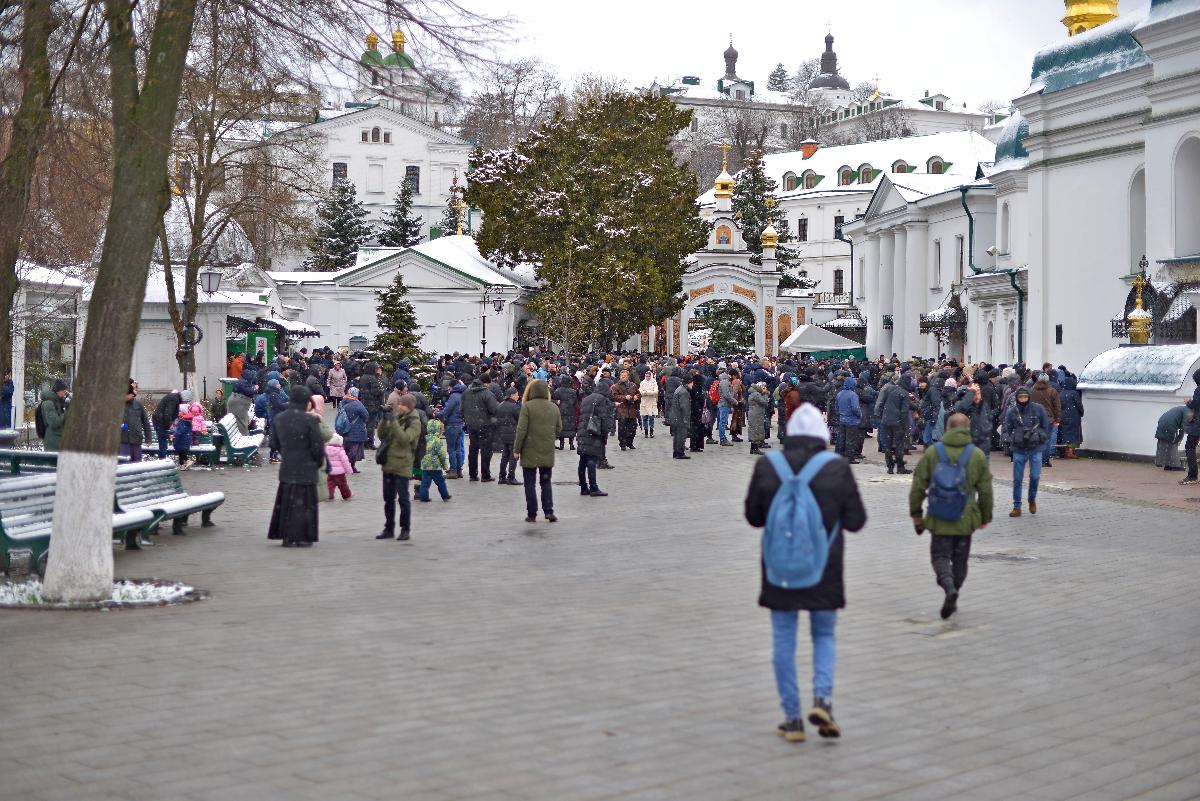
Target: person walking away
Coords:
[(725, 404), (338, 465), (181, 435), (1070, 427), (135, 426), (400, 432), (356, 436), (566, 397), (785, 481), (296, 436), (507, 414), (700, 400), (1045, 395), (626, 394), (337, 380), (680, 420), (435, 461), (648, 389), (955, 477), (929, 408), (758, 406), (538, 426), (479, 407), (849, 413), (737, 414), (593, 428), (892, 407), (1169, 433), (1029, 428), (452, 418)]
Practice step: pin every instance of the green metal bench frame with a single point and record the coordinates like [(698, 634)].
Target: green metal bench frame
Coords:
[(156, 486)]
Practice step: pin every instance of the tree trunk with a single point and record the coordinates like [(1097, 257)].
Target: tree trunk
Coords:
[(16, 171), (80, 564)]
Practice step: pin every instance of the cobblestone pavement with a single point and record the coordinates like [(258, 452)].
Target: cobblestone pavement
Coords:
[(617, 654)]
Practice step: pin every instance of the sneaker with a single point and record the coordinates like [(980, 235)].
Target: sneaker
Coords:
[(891, 470), (486, 479), (1032, 506), (903, 471), (950, 604), (551, 518), (791, 730), (726, 444), (1016, 512), (502, 481), (584, 491), (598, 494), (1185, 482), (530, 518), (448, 497), (404, 536), (821, 716), (386, 535)]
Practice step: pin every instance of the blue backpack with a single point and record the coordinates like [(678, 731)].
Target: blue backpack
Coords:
[(795, 545), (948, 485), (341, 423)]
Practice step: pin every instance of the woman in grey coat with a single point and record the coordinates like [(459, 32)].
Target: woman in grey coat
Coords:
[(758, 405)]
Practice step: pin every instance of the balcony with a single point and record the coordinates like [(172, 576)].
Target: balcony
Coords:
[(833, 299)]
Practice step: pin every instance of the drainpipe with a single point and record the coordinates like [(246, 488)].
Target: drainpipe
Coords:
[(838, 235), (1012, 276)]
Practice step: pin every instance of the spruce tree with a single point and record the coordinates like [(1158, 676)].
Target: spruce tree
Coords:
[(398, 337), (341, 230), (751, 191), (400, 229), (450, 221), (779, 80)]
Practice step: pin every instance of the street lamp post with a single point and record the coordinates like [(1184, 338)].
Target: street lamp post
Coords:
[(491, 293), (210, 282)]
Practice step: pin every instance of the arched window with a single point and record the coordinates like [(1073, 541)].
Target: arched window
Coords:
[(790, 181), (724, 235), (899, 166), (936, 166), (845, 176), (1012, 341), (1137, 219), (374, 134), (810, 180), (1187, 199), (1005, 224), (991, 331), (866, 174)]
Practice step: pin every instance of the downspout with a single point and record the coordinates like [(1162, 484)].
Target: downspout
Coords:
[(838, 235), (1012, 276)]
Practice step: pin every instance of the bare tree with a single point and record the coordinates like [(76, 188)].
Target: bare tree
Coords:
[(515, 98), (863, 92), (890, 122)]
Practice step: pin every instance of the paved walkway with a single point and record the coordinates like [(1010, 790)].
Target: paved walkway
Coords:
[(617, 654)]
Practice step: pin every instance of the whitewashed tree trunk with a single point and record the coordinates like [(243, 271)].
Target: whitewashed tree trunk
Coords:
[(80, 567)]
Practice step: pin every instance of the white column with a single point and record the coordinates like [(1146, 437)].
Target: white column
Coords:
[(917, 263), (871, 295), (887, 288), (901, 333)]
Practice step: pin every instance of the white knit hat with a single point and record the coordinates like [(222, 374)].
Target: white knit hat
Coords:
[(807, 421)]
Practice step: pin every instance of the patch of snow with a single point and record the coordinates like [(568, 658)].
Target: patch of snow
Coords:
[(124, 593), (1152, 368), (1164, 10)]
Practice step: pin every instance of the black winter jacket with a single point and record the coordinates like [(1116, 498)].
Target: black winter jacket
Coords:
[(479, 406), (507, 415), (296, 434), (837, 494)]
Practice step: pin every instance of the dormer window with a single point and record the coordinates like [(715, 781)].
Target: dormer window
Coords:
[(810, 180), (845, 176), (866, 174), (939, 105), (899, 166), (740, 94), (936, 166), (790, 181)]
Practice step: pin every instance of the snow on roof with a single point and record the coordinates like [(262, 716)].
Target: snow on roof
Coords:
[(692, 92), (1010, 144), (461, 253), (1154, 368), (1105, 50), (962, 151), (918, 186), (845, 322), (293, 326), (67, 277), (156, 290), (1164, 10)]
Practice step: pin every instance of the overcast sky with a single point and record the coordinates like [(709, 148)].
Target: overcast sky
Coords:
[(971, 50)]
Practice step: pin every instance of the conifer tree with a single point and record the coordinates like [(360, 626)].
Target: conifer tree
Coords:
[(449, 222), (341, 230), (399, 336), (779, 80), (400, 229), (751, 191)]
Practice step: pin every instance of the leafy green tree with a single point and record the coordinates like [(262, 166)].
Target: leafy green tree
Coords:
[(779, 80), (598, 204), (730, 324), (341, 230), (399, 336), (400, 229)]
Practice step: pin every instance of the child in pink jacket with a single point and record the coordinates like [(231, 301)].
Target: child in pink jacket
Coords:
[(339, 466), (199, 425)]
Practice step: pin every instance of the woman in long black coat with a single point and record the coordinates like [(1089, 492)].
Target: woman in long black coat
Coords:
[(567, 398), (296, 434), (1070, 430)]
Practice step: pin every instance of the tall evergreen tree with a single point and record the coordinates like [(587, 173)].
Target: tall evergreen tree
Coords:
[(341, 230), (399, 336), (449, 222), (597, 202), (754, 204), (779, 80), (400, 229)]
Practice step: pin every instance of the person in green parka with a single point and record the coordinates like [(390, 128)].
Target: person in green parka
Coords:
[(54, 414), (538, 428), (401, 430), (950, 545)]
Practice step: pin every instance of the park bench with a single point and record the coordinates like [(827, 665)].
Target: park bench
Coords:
[(155, 486), (24, 462), (203, 449), (26, 516), (237, 444)]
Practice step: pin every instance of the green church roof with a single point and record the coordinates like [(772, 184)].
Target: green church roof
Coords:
[(1105, 50), (1010, 145), (397, 60), (371, 58)]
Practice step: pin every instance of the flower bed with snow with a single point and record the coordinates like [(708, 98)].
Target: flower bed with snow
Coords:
[(126, 594)]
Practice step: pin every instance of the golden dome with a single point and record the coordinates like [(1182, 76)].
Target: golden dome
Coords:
[(398, 41), (372, 41), (1083, 15), (723, 186), (770, 237)]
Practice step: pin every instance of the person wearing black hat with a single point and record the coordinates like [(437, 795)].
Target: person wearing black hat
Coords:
[(296, 435), (53, 410), (1028, 428)]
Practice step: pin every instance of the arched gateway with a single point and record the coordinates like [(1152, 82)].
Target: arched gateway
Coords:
[(723, 271)]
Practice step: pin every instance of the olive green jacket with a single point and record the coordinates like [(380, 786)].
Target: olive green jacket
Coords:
[(538, 427), (979, 486), (402, 433)]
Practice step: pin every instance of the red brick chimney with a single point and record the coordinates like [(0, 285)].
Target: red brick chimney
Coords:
[(808, 147)]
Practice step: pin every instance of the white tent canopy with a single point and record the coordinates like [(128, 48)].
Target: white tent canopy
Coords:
[(814, 339)]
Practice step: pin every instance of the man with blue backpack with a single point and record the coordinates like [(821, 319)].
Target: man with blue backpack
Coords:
[(805, 498), (955, 477)]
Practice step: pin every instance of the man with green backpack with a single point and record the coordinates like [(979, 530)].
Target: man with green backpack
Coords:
[(955, 477)]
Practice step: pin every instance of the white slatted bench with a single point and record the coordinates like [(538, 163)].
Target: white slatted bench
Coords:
[(155, 486), (243, 446)]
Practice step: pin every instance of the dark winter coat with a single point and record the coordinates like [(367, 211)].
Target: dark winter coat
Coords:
[(1070, 427), (1018, 418), (866, 401), (598, 406), (892, 406), (680, 407), (6, 403), (1172, 424), (167, 410), (981, 420), (479, 406), (313, 384), (505, 430), (669, 386), (54, 414), (849, 412), (296, 434), (626, 396), (135, 424), (357, 414), (837, 495), (758, 407), (1193, 427), (567, 398), (1047, 396), (370, 392)]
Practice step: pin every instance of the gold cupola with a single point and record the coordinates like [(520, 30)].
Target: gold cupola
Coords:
[(769, 237), (372, 41), (723, 186), (1083, 15)]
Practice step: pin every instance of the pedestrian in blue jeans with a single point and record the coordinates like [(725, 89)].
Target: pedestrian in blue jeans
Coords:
[(836, 493), (1028, 427)]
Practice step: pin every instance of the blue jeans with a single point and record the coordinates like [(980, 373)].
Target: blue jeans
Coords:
[(432, 477), (648, 423), (587, 472), (927, 433), (722, 420), (1051, 444), (161, 434), (454, 446), (1035, 473), (821, 626)]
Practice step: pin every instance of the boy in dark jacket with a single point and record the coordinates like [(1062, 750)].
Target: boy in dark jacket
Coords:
[(507, 415), (842, 510)]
